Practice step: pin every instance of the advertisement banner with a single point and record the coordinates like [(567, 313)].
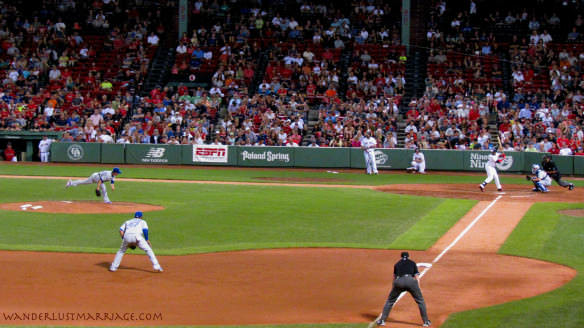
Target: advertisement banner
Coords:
[(385, 158), (476, 161), (265, 156), (210, 154), (83, 152), (152, 154)]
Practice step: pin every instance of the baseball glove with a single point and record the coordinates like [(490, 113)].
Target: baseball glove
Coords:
[(97, 193), (132, 246), (528, 178)]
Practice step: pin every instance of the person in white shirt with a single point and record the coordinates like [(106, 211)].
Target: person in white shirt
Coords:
[(44, 148), (313, 143), (153, 39), (418, 163), (107, 110), (134, 232), (181, 49), (54, 74), (491, 169), (216, 91), (518, 76), (105, 138), (368, 144), (566, 151)]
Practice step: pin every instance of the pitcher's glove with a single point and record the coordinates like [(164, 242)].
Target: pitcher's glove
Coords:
[(97, 193), (528, 178), (132, 246)]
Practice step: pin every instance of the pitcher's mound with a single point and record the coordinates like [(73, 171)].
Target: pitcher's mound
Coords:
[(79, 207)]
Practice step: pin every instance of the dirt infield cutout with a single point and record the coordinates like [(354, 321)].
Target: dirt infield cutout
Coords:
[(79, 207)]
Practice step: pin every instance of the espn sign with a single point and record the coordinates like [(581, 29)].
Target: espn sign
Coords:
[(210, 153)]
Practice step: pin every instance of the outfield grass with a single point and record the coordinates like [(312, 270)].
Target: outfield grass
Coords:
[(219, 174), (547, 235), (206, 218)]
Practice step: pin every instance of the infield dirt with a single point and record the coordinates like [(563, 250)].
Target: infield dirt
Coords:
[(292, 285)]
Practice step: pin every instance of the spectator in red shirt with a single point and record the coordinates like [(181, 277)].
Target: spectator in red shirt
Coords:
[(9, 153), (563, 142)]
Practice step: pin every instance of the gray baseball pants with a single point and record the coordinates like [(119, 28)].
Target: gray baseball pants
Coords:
[(405, 284), (94, 178)]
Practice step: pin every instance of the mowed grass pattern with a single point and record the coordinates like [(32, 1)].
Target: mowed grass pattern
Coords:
[(204, 218)]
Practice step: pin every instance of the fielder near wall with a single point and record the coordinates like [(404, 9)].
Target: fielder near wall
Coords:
[(443, 160)]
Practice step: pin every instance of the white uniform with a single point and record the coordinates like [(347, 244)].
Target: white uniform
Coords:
[(544, 181), (419, 162), (491, 169), (368, 144), (135, 232), (102, 176), (44, 149)]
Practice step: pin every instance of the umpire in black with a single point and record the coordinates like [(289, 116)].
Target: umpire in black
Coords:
[(552, 170), (405, 279)]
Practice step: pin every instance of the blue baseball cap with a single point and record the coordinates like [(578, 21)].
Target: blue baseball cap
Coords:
[(116, 170), (138, 214)]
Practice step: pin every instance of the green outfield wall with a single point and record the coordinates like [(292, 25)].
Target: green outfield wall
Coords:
[(443, 160)]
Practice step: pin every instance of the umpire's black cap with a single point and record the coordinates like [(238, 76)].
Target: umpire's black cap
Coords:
[(405, 255)]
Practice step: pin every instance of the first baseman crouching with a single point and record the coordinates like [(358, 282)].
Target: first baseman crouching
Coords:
[(134, 232), (418, 162), (99, 178)]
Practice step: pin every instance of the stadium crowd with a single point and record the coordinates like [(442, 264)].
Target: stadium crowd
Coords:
[(63, 73)]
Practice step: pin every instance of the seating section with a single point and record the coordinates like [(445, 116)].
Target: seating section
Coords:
[(310, 73)]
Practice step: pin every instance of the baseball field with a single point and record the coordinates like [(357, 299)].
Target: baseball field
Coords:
[(287, 248)]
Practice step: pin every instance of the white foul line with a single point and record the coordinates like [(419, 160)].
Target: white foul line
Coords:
[(456, 240), (465, 230)]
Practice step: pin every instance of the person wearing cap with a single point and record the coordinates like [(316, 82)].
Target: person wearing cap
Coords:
[(418, 162), (99, 178), (405, 279), (134, 232), (552, 170)]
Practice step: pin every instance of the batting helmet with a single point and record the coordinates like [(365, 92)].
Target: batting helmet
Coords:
[(138, 214)]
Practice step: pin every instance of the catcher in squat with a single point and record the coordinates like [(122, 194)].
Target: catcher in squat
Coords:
[(541, 180), (551, 169)]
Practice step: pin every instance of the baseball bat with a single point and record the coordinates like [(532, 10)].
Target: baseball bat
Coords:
[(500, 143)]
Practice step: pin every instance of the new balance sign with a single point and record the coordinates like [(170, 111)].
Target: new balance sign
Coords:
[(155, 155), (210, 153)]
